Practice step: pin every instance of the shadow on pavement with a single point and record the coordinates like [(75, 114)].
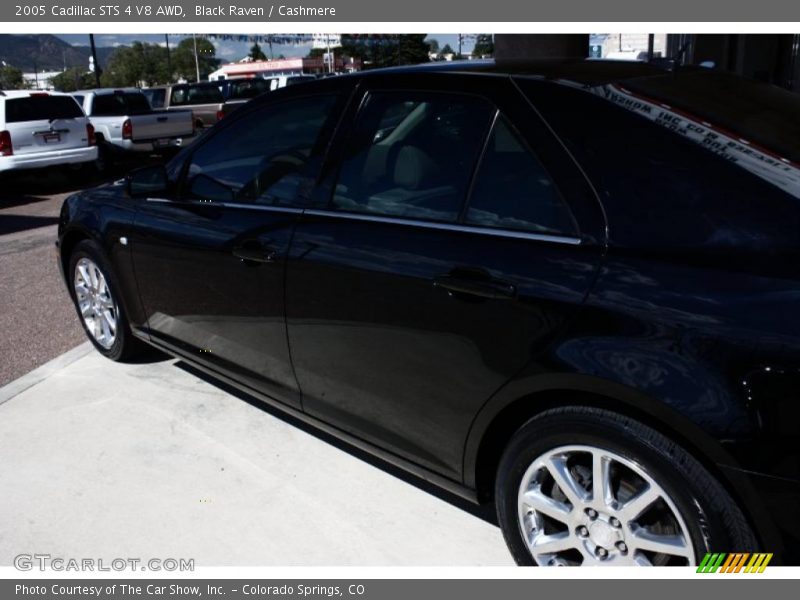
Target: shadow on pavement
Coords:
[(483, 512), (15, 223)]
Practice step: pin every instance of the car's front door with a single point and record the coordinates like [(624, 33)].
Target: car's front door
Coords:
[(456, 241), (210, 261)]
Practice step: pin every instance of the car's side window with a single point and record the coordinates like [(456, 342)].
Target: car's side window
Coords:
[(411, 155), (264, 157), (512, 190)]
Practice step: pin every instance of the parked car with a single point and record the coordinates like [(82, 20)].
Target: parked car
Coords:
[(453, 268), (205, 100), (125, 123), (282, 81), (238, 92), (43, 129)]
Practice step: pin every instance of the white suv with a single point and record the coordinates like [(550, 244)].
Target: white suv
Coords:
[(43, 129)]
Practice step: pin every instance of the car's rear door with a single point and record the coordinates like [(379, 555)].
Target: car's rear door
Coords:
[(407, 305), (43, 122), (210, 260)]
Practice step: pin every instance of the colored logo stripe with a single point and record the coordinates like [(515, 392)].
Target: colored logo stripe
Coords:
[(734, 562)]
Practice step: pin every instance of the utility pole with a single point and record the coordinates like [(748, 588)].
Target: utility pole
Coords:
[(196, 59), (97, 69), (169, 58)]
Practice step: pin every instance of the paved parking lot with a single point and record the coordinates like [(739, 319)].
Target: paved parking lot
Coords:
[(152, 461), (37, 321)]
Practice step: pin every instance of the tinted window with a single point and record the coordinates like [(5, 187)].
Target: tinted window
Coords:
[(513, 191), (119, 104), (264, 157), (199, 94), (42, 108), (412, 155), (156, 97), (247, 88)]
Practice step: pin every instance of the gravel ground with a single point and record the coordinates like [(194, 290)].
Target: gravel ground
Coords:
[(37, 319)]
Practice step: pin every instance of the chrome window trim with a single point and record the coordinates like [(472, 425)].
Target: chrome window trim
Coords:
[(504, 233), (264, 207)]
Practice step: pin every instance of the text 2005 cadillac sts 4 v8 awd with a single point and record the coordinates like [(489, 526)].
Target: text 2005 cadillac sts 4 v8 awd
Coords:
[(568, 288)]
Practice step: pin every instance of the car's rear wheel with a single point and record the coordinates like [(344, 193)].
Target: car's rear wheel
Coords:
[(580, 486), (94, 291)]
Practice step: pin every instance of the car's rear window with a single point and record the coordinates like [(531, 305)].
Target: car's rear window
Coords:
[(757, 112), (156, 97), (247, 88), (204, 94), (120, 104), (42, 108)]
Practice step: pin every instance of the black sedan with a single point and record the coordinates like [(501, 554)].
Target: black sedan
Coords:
[(568, 288)]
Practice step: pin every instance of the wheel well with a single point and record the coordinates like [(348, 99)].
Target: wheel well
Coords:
[(68, 243), (515, 415)]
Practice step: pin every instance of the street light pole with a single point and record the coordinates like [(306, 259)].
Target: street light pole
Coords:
[(169, 58), (97, 70), (196, 59)]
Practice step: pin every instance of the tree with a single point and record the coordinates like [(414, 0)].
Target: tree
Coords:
[(447, 50), (256, 53), (484, 46), (412, 49), (316, 53), (385, 50), (11, 78), (72, 80), (135, 65), (183, 59), (433, 45)]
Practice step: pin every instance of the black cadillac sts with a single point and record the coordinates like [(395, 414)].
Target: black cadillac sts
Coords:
[(571, 289)]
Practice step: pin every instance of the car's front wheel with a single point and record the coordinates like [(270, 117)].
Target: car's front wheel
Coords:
[(583, 486), (94, 291)]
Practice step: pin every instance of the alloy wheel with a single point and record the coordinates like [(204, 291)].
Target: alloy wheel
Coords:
[(95, 302), (583, 505)]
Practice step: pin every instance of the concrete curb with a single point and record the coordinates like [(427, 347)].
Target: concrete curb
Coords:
[(19, 385)]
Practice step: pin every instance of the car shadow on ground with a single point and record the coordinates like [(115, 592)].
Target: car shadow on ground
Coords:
[(484, 512), (15, 223)]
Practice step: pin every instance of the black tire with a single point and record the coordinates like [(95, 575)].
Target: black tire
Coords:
[(106, 158), (83, 174), (125, 345), (714, 521)]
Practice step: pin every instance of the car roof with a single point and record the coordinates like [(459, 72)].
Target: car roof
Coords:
[(580, 71), (28, 93), (105, 91)]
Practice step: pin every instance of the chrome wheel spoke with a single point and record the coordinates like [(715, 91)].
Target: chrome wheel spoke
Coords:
[(557, 466), (538, 501), (551, 544), (674, 545), (634, 507), (601, 479)]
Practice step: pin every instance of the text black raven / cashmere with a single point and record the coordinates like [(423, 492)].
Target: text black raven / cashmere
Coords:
[(568, 288)]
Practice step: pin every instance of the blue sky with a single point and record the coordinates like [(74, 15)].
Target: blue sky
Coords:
[(227, 50)]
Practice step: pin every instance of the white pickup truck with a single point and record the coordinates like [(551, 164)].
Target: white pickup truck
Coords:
[(125, 123)]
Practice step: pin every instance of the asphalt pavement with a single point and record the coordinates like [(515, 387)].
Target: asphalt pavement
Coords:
[(37, 320)]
